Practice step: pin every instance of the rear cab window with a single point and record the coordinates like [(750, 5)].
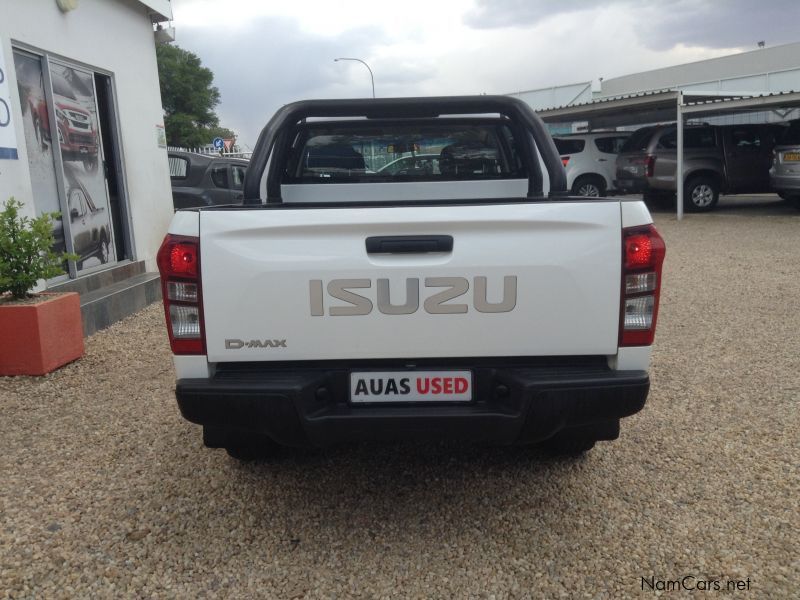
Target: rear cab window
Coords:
[(363, 151), (569, 146)]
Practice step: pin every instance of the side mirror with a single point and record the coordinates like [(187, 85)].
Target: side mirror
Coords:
[(73, 214)]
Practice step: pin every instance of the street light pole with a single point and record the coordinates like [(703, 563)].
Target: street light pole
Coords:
[(371, 77)]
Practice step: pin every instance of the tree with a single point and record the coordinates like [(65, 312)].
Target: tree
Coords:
[(188, 97)]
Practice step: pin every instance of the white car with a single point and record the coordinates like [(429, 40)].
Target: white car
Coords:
[(590, 160)]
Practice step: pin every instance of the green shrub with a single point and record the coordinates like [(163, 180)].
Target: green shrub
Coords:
[(26, 250)]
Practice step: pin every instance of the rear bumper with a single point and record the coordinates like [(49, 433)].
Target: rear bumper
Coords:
[(310, 407), (785, 183)]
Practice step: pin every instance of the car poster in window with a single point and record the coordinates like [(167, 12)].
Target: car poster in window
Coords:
[(81, 154)]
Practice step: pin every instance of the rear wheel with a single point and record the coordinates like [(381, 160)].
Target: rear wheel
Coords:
[(700, 194), (589, 185)]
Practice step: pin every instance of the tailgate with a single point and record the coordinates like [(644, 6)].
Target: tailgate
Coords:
[(541, 279)]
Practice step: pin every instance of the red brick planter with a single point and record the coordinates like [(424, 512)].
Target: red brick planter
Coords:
[(39, 337)]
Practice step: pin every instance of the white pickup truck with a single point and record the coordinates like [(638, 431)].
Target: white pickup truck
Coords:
[(452, 298)]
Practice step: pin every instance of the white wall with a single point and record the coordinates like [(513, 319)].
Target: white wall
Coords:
[(115, 36)]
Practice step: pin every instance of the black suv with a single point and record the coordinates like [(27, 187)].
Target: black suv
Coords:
[(204, 180)]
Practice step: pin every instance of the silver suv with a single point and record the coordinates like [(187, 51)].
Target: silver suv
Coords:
[(785, 172), (589, 160)]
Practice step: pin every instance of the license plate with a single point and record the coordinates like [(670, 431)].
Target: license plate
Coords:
[(791, 156), (410, 386), (84, 150)]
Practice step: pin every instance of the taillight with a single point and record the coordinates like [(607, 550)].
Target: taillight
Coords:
[(649, 165), (178, 261), (564, 160), (643, 253)]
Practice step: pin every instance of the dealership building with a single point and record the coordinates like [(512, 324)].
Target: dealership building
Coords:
[(81, 133)]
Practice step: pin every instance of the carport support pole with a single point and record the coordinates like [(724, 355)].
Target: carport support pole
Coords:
[(679, 158)]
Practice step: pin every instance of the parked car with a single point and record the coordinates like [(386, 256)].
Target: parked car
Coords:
[(785, 172), (89, 223), (733, 159), (589, 159), (201, 180)]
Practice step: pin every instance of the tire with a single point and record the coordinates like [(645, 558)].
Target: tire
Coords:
[(250, 447), (566, 444), (589, 185), (700, 194), (103, 251)]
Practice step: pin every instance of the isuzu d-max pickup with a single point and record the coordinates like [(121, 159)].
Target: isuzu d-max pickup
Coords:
[(464, 295)]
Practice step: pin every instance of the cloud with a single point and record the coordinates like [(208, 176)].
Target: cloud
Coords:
[(271, 62), (489, 14), (265, 54), (660, 24)]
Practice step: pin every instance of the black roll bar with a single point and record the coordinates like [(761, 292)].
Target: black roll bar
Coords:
[(273, 138)]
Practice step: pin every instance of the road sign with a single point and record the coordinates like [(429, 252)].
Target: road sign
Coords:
[(219, 143)]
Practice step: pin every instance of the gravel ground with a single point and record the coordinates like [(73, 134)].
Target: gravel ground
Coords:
[(107, 492)]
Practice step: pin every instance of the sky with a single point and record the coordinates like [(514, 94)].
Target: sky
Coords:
[(265, 53)]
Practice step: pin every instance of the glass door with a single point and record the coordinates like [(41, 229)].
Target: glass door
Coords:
[(33, 97), (77, 129)]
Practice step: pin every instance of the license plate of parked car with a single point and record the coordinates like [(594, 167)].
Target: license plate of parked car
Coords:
[(410, 386), (791, 156)]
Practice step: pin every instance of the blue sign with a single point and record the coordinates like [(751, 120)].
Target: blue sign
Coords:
[(219, 144)]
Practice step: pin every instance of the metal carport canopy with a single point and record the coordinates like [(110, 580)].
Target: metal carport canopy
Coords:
[(664, 106)]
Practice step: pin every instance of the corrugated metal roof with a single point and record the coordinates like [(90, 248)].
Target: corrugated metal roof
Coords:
[(723, 99), (598, 101), (693, 98)]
